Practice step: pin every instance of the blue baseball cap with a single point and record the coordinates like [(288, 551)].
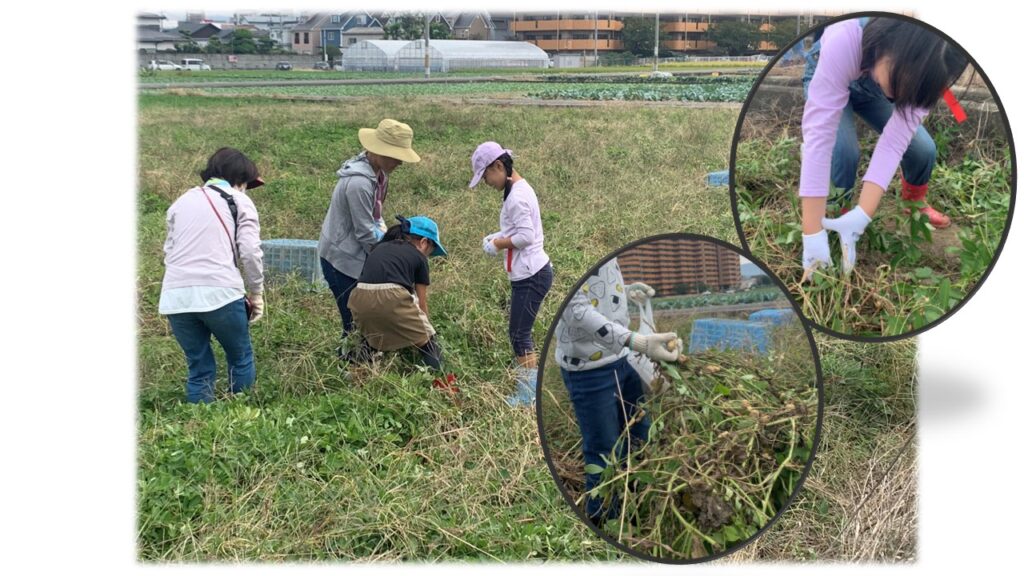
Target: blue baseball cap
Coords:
[(425, 227)]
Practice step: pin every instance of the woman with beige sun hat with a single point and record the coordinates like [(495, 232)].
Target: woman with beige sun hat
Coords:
[(354, 221)]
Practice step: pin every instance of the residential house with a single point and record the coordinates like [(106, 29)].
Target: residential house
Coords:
[(332, 29), (150, 40), (470, 25), (150, 21), (277, 25), (201, 32)]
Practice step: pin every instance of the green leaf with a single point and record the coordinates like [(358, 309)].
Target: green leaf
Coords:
[(593, 469)]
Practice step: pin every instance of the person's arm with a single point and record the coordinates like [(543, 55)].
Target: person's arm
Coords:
[(827, 95), (523, 233), (892, 145), (250, 250), (421, 296), (358, 192)]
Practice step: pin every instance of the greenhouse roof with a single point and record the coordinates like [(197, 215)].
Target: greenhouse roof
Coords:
[(484, 49)]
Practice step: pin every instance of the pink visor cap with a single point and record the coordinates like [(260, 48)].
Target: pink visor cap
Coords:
[(484, 155)]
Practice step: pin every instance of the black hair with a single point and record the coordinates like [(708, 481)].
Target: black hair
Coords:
[(400, 233), (924, 64), (506, 161), (231, 165)]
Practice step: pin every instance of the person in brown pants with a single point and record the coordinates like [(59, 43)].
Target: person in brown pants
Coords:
[(389, 304)]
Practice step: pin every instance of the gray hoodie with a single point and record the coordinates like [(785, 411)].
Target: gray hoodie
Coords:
[(349, 230)]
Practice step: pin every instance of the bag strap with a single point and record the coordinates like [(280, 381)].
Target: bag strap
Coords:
[(231, 205), (234, 212)]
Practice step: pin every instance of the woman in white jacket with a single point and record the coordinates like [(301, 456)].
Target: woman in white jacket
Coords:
[(213, 283)]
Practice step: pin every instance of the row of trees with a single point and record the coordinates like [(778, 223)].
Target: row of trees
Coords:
[(732, 37), (239, 42), (410, 27)]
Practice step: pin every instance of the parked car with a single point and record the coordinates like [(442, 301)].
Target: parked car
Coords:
[(162, 65), (321, 65), (661, 74), (193, 64), (284, 65)]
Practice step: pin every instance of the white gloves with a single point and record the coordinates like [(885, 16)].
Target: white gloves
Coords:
[(256, 300), (816, 254), (489, 248), (664, 346), (638, 292), (849, 226)]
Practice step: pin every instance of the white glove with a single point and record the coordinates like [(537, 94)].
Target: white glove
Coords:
[(489, 248), (256, 300), (638, 292), (382, 226), (816, 254), (849, 226), (655, 346)]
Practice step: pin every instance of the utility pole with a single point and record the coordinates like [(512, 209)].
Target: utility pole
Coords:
[(595, 37), (426, 45), (656, 27)]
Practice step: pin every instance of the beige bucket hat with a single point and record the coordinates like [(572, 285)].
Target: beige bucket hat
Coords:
[(390, 138)]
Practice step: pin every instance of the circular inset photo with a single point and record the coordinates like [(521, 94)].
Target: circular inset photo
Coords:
[(874, 174), (679, 399)]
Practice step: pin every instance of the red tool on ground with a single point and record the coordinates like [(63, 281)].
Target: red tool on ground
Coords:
[(447, 384)]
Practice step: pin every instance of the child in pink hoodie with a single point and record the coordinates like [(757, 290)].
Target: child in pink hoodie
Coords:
[(890, 72), (520, 242)]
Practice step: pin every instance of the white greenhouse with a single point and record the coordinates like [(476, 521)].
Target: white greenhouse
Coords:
[(372, 55), (445, 55)]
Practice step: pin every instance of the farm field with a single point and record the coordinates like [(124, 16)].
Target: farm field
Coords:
[(374, 465)]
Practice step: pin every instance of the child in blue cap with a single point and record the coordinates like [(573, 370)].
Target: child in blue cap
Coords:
[(389, 304)]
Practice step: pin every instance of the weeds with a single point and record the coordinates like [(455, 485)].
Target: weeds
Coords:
[(908, 275), (728, 443)]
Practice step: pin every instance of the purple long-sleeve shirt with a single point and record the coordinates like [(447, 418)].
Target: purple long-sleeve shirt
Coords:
[(839, 64)]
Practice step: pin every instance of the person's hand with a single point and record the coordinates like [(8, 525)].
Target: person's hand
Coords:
[(816, 254), (382, 226), (638, 292), (849, 226), (663, 346), (489, 248), (256, 301)]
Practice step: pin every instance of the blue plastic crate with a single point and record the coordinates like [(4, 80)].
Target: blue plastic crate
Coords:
[(720, 178), (775, 316), (723, 334), (284, 256)]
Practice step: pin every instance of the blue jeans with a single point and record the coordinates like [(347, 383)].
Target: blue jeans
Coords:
[(341, 286), (604, 400), (527, 296), (230, 326), (869, 102)]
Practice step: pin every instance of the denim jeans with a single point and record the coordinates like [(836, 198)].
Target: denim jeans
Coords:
[(604, 400), (527, 296), (869, 102), (341, 286), (230, 326)]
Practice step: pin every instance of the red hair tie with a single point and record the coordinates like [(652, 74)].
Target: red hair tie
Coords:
[(954, 106)]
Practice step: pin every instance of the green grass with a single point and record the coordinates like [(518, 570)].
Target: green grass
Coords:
[(390, 469), (907, 275)]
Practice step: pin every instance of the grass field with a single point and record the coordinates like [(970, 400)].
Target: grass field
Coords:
[(318, 464), (390, 469), (908, 275)]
